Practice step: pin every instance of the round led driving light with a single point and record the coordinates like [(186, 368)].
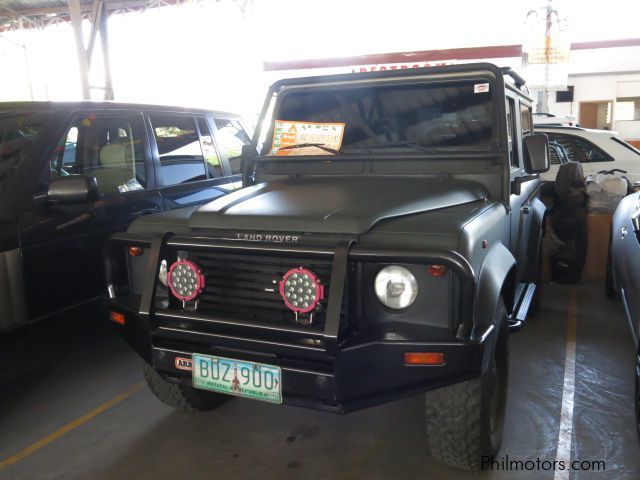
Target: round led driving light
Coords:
[(301, 290), (185, 280), (396, 287)]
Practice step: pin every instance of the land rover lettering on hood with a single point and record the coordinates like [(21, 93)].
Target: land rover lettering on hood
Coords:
[(384, 244)]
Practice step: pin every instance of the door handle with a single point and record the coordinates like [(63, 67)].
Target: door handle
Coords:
[(526, 209), (147, 211), (623, 232)]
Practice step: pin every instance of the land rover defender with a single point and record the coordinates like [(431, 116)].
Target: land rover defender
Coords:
[(384, 244)]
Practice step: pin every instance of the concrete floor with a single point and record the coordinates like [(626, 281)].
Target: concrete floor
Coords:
[(54, 373)]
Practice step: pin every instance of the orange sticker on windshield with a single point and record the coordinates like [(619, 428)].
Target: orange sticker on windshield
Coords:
[(306, 138)]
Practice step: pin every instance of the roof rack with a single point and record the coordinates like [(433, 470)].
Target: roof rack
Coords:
[(517, 79)]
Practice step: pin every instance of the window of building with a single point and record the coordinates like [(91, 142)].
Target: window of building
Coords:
[(628, 108)]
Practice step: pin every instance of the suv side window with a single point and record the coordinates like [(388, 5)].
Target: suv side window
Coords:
[(209, 150), (180, 148), (525, 119), (513, 152), (109, 148), (557, 154), (578, 149), (231, 137)]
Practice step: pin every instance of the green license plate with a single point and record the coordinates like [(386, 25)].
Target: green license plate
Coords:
[(237, 377)]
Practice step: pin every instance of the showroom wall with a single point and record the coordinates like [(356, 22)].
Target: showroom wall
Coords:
[(608, 76)]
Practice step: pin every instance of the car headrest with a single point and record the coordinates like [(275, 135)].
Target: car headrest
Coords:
[(115, 155)]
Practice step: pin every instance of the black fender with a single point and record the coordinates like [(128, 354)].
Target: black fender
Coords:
[(496, 275)]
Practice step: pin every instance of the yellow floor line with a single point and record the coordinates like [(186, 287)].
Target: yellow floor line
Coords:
[(565, 435), (70, 426)]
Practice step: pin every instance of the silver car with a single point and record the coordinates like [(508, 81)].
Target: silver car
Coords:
[(623, 274)]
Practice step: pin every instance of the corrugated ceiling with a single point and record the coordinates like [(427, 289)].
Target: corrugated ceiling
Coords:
[(25, 6)]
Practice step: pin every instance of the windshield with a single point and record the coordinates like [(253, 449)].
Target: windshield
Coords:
[(17, 133), (416, 117)]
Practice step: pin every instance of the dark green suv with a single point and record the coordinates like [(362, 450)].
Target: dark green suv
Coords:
[(385, 242)]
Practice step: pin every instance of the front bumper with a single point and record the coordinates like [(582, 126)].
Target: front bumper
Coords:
[(360, 375), (319, 369)]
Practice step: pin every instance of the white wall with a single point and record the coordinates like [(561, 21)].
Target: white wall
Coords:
[(597, 87)]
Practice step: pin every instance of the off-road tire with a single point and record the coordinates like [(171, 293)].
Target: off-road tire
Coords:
[(465, 421), (181, 397)]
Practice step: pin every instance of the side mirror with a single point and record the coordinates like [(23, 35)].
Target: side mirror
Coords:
[(73, 189), (536, 153)]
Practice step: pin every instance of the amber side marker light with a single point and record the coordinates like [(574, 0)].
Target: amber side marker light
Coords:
[(423, 358), (437, 270), (116, 317), (136, 251)]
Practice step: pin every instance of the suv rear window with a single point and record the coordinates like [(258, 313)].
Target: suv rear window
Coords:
[(452, 114)]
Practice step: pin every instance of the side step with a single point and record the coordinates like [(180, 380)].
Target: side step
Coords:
[(524, 296)]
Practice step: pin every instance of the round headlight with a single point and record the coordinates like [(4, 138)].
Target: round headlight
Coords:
[(396, 287)]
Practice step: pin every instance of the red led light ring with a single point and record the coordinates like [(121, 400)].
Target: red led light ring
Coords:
[(199, 280), (318, 294)]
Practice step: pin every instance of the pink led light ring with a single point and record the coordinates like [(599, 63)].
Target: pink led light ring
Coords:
[(199, 280), (306, 281)]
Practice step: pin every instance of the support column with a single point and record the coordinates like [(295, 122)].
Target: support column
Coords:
[(104, 40), (75, 15)]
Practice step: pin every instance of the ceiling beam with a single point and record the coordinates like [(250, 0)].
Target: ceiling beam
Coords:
[(84, 8)]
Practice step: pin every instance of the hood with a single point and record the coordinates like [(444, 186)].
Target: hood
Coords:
[(341, 205)]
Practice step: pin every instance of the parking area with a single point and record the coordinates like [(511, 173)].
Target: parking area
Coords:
[(74, 406)]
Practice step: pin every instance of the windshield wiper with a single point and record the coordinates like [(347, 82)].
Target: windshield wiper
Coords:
[(417, 146), (303, 145)]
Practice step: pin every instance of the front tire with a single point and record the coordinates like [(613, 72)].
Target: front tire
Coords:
[(178, 396), (465, 421)]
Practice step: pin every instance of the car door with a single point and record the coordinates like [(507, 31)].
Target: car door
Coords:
[(231, 136), (519, 124), (62, 244), (626, 255), (189, 168)]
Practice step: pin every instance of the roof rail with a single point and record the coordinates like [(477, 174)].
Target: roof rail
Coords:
[(518, 80)]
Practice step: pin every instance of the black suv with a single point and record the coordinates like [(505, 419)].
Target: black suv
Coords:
[(72, 174), (385, 242)]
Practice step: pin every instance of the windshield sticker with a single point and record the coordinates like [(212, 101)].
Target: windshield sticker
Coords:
[(481, 88), (306, 138)]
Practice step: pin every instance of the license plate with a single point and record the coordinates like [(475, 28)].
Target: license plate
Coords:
[(237, 377)]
